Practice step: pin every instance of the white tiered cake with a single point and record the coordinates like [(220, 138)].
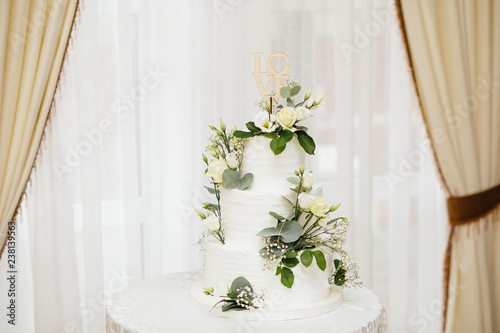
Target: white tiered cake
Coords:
[(272, 243), (245, 213)]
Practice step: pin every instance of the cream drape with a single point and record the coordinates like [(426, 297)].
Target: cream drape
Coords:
[(455, 53), (33, 39)]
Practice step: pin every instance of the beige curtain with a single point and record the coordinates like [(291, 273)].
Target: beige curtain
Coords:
[(454, 49), (33, 39)]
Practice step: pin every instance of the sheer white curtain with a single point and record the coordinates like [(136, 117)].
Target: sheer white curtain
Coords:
[(114, 195)]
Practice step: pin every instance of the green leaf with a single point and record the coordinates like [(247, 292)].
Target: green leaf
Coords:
[(210, 190), (290, 262), (290, 103), (286, 135), (291, 254), (271, 135), (278, 145), (287, 277), (230, 305), (301, 128), (306, 258), (294, 91), (290, 201), (252, 128), (293, 180), (278, 270), (239, 283), (320, 259), (231, 179), (290, 231), (242, 134), (285, 92), (246, 181), (300, 244), (306, 142), (268, 232), (276, 216)]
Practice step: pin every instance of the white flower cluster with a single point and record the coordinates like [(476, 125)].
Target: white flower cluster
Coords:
[(249, 300), (287, 117), (221, 159)]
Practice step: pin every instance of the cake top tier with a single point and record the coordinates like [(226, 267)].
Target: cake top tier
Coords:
[(270, 171)]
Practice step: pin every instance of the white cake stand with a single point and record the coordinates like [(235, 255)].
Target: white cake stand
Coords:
[(164, 304)]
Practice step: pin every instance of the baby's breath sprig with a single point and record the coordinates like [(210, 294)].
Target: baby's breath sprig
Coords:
[(240, 296)]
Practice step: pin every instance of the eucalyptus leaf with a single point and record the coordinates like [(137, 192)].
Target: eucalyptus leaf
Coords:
[(290, 231), (293, 180), (268, 232), (285, 92), (210, 190), (320, 259), (277, 216), (306, 142), (246, 181), (290, 201), (306, 258), (243, 134), (239, 284), (286, 135), (287, 277), (290, 103), (231, 179), (294, 91)]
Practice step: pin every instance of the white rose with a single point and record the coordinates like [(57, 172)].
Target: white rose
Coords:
[(286, 117), (308, 179), (319, 207), (212, 223), (303, 113), (305, 200), (216, 169), (232, 160), (262, 121)]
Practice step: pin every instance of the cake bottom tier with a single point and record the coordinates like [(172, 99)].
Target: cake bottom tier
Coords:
[(224, 263)]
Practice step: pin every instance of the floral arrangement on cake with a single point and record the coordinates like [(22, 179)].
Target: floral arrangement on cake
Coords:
[(304, 235), (226, 151), (240, 296), (282, 126)]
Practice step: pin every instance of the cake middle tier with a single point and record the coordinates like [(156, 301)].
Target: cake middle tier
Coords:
[(245, 213)]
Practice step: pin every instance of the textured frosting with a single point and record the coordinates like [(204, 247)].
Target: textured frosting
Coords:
[(224, 263), (245, 213), (271, 171)]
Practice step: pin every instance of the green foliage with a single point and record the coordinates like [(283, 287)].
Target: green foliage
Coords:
[(306, 258), (231, 179), (306, 142), (320, 259), (290, 262), (243, 134), (252, 128), (294, 91), (287, 277)]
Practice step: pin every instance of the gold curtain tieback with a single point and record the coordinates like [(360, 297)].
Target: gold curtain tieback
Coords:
[(472, 207)]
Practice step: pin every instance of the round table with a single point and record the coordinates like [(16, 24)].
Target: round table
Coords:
[(163, 304)]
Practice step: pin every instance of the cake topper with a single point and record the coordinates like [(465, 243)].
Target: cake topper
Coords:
[(271, 74)]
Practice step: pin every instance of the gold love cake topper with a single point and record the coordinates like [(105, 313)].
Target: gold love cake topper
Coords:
[(271, 74)]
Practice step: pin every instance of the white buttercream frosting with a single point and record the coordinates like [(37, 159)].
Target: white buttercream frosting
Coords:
[(245, 213), (271, 171)]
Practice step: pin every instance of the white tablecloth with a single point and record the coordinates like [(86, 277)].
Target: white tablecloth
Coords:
[(163, 305)]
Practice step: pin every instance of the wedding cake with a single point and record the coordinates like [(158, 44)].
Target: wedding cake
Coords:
[(272, 243)]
